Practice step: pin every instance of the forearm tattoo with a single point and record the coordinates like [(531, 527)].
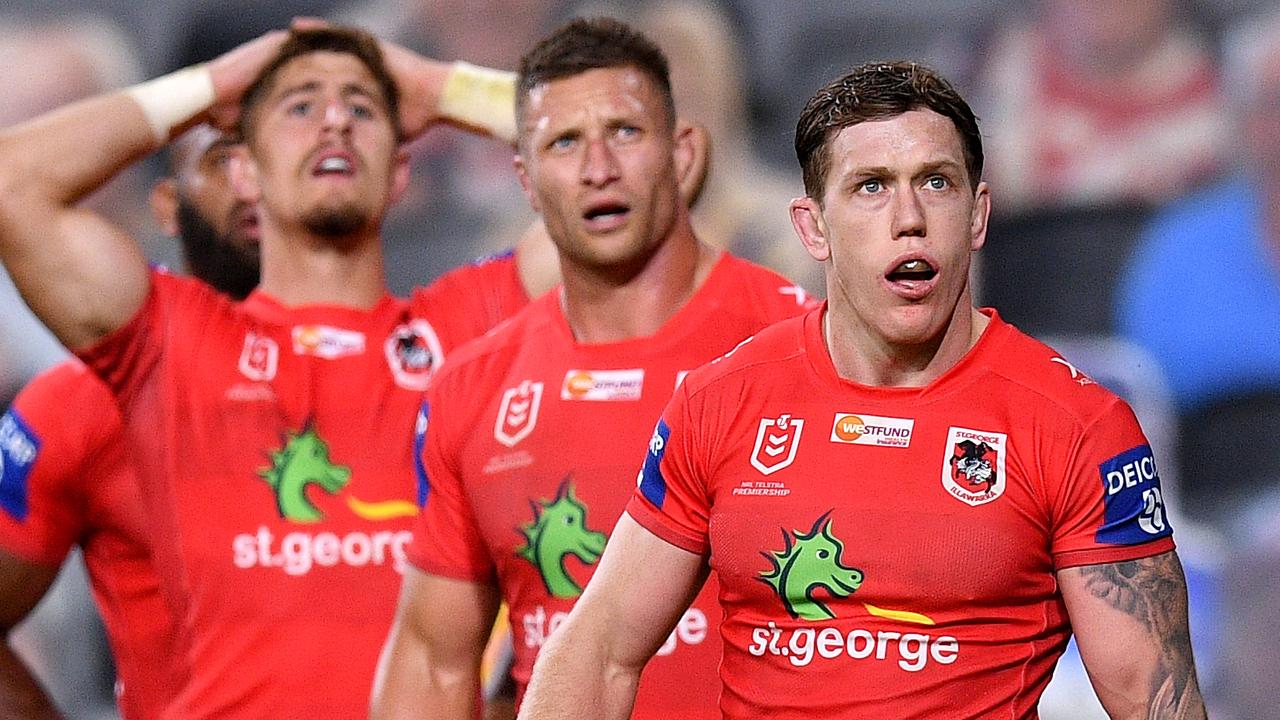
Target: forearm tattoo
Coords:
[(1153, 591)]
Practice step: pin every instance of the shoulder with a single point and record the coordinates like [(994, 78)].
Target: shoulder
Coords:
[(761, 355), (762, 288), (469, 300), (491, 353), (497, 269), (1046, 381), (66, 392)]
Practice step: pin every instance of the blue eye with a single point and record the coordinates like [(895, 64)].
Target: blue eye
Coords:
[(871, 186), (362, 112), (937, 182), (300, 108)]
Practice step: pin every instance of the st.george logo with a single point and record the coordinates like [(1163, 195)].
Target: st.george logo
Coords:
[(776, 442), (810, 561), (559, 530), (301, 463), (518, 413)]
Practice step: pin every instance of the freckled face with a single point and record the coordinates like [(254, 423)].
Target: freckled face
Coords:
[(898, 222)]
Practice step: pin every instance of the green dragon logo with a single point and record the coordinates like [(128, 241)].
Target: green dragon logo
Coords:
[(810, 561), (303, 461), (559, 529)]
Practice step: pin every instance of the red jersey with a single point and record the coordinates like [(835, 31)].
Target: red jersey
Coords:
[(527, 435), (891, 552), (274, 448), (65, 480)]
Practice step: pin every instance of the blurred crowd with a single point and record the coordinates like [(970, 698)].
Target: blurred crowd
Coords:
[(1133, 150)]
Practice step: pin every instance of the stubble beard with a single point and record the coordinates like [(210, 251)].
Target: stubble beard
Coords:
[(335, 222)]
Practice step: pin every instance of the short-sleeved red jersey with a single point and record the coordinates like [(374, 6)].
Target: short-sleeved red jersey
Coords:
[(65, 480), (527, 435), (891, 552), (274, 449)]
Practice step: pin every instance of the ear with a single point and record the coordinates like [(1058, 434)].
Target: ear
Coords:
[(400, 175), (981, 213), (692, 155), (243, 173), (811, 227), (164, 206), (526, 184)]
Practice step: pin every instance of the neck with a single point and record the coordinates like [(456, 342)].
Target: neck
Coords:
[(861, 355), (601, 307), (299, 268)]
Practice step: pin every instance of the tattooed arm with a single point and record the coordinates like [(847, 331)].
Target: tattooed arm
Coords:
[(1130, 621)]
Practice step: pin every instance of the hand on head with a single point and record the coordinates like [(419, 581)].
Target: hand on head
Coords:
[(235, 70)]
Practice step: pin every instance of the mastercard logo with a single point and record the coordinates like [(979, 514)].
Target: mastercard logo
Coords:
[(579, 383), (850, 428)]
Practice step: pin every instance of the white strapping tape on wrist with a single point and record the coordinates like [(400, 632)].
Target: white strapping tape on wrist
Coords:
[(171, 100), (482, 98)]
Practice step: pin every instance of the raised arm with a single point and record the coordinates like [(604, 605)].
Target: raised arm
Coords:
[(22, 584), (430, 666), (591, 665), (82, 276), (1130, 622)]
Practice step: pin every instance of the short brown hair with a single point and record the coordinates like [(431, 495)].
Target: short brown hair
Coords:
[(585, 44), (334, 38), (877, 91)]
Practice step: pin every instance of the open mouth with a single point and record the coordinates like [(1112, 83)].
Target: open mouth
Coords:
[(912, 277), (606, 215), (916, 269), (334, 164)]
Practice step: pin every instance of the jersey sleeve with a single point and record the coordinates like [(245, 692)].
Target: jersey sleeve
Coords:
[(671, 499), (50, 441), (476, 297), (125, 357), (1109, 506), (446, 538)]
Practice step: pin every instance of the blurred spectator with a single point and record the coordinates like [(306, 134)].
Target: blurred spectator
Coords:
[(744, 201), (1055, 271), (1250, 662), (1095, 101), (797, 48), (1202, 293), (47, 63), (463, 199)]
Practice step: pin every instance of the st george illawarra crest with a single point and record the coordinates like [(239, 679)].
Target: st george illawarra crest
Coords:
[(973, 467)]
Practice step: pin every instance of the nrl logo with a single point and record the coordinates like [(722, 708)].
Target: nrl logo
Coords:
[(259, 358), (776, 443), (559, 529), (518, 413), (809, 562)]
